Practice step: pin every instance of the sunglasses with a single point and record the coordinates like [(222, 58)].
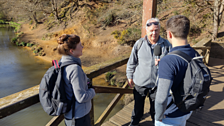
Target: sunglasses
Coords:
[(155, 23)]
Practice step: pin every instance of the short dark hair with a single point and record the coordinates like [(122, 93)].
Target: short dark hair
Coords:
[(67, 42), (179, 26)]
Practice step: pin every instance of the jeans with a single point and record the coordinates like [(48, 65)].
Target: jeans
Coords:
[(83, 121), (140, 94), (178, 121)]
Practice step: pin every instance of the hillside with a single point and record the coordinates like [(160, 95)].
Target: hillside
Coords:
[(108, 28)]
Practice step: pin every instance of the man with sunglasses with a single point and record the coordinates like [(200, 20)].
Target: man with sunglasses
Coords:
[(142, 69)]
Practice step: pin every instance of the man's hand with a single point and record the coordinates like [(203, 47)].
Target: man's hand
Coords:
[(130, 83), (157, 62)]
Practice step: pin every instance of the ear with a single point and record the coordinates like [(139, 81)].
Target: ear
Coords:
[(169, 34), (71, 51)]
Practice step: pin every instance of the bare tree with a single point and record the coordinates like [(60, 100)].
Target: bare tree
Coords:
[(55, 9), (218, 10)]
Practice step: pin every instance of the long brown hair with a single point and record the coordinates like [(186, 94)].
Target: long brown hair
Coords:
[(67, 42)]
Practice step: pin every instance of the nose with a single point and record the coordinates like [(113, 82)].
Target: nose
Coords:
[(153, 32)]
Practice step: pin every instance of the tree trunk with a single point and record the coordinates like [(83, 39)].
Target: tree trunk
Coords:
[(216, 18), (35, 18), (221, 11), (55, 9)]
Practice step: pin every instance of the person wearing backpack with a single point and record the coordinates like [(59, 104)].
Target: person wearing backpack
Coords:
[(142, 68), (172, 71), (76, 81)]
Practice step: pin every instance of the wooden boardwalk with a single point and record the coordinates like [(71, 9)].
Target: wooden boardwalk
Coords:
[(211, 115)]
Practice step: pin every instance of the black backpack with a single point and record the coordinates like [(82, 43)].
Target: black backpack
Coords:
[(191, 95), (52, 91)]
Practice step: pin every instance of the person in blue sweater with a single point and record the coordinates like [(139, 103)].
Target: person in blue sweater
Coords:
[(70, 47), (142, 69), (171, 73)]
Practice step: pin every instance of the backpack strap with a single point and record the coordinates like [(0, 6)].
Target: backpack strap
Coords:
[(67, 63), (140, 44), (182, 55), (55, 64), (167, 46)]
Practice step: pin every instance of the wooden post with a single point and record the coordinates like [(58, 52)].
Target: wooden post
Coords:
[(149, 11), (91, 113)]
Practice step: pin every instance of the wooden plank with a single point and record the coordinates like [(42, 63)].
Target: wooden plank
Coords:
[(101, 89), (208, 116), (203, 42), (55, 120), (18, 101), (98, 69), (124, 114), (118, 121), (200, 122), (190, 124), (110, 107), (202, 47), (108, 124)]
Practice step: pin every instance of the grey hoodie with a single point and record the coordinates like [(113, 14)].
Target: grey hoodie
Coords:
[(76, 83), (141, 64)]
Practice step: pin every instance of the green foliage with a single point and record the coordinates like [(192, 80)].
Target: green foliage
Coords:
[(19, 34), (108, 20), (187, 12), (39, 49), (2, 22), (128, 35), (22, 44), (116, 34), (51, 24), (29, 44), (120, 83), (175, 12), (93, 14), (51, 15), (113, 81), (14, 40), (109, 75), (17, 26), (35, 51), (31, 22)]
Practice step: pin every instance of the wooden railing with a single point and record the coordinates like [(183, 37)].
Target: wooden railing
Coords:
[(21, 100), (204, 47)]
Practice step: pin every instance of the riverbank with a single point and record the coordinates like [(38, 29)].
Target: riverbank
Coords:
[(94, 51)]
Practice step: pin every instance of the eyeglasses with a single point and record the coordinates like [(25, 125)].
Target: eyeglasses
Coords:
[(155, 23)]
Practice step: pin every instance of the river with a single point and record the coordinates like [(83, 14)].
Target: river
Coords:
[(19, 70)]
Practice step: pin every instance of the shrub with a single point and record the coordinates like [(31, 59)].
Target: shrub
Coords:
[(28, 44), (113, 81), (35, 51), (127, 35), (109, 19), (109, 75), (14, 40), (22, 44)]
